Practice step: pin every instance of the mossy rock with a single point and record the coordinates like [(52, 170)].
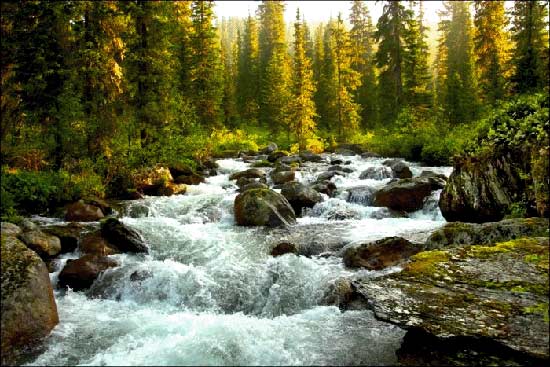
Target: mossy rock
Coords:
[(263, 207), (263, 163), (29, 311), (498, 293)]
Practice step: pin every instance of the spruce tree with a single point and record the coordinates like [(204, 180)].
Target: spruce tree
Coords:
[(303, 107), (361, 35), (530, 34), (247, 80), (491, 49)]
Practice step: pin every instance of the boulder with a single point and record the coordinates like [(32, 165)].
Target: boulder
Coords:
[(340, 169), (336, 161), (45, 245), (94, 244), (29, 311), (380, 254), (370, 155), (308, 156), (296, 159), (376, 173), (180, 169), (81, 273), (325, 187), (325, 176), (460, 234), (253, 185), (270, 148), (407, 194), (284, 248), (10, 229), (274, 156), (244, 181), (164, 189), (281, 167), (68, 235), (249, 173), (360, 195), (345, 152), (192, 179), (401, 170), (300, 196), (105, 207), (496, 293), (279, 178), (124, 238), (82, 212), (355, 148), (263, 207), (482, 189), (263, 163)]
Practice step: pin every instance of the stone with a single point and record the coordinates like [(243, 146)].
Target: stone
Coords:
[(340, 169), (282, 177), (460, 234), (296, 159), (274, 156), (261, 207), (124, 238), (300, 196), (284, 248), (270, 148), (380, 254), (325, 176), (192, 179), (45, 245), (497, 292), (253, 185), (308, 156), (82, 212), (10, 229), (325, 187), (29, 311), (345, 152), (376, 173), (68, 235), (81, 273), (370, 155), (249, 173), (360, 195), (94, 244), (407, 194)]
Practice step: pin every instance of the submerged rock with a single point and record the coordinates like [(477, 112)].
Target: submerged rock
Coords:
[(29, 311), (284, 248), (360, 195), (497, 293), (300, 196), (458, 233), (263, 207), (377, 255), (124, 238), (81, 273)]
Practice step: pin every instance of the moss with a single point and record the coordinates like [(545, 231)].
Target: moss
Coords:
[(425, 262), (523, 245), (16, 259), (540, 308)]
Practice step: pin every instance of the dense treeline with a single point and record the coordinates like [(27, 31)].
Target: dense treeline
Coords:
[(95, 88)]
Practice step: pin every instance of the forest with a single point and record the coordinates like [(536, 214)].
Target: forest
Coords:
[(93, 91)]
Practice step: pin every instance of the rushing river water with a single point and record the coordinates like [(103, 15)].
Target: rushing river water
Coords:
[(209, 293)]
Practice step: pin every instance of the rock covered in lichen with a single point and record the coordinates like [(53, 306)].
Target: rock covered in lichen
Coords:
[(29, 311), (263, 207), (497, 292), (458, 233)]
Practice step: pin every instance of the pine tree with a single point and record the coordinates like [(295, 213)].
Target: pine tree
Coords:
[(530, 34), (391, 28), (416, 73), (318, 76), (361, 35), (460, 96), (229, 58), (491, 48), (303, 107), (206, 70), (247, 80), (275, 74)]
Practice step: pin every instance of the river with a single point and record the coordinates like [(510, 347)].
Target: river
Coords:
[(209, 292)]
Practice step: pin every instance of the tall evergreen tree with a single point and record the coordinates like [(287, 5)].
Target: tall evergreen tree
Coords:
[(460, 101), (206, 71), (229, 34), (416, 73), (303, 107), (247, 80), (491, 49), (361, 35), (391, 28), (530, 34), (275, 73)]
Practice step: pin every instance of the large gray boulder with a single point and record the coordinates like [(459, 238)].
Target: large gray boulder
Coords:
[(45, 245), (300, 196), (29, 311), (407, 194), (377, 255), (262, 207), (399, 168)]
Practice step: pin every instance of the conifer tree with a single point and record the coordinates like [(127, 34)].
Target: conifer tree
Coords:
[(460, 96), (275, 74), (389, 59), (206, 71), (530, 34), (247, 80), (416, 73), (303, 107), (491, 49)]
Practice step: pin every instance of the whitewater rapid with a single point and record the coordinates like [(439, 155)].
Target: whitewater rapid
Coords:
[(209, 292)]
